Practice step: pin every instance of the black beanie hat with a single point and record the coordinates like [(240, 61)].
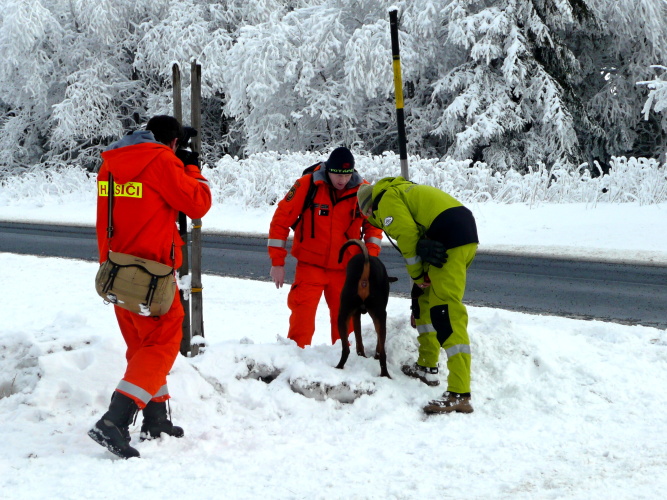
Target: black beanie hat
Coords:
[(165, 128), (340, 161)]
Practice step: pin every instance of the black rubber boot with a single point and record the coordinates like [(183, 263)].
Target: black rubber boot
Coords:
[(156, 421), (112, 430), (124, 430)]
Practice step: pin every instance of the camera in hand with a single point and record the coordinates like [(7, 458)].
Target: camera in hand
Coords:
[(184, 151), (185, 141)]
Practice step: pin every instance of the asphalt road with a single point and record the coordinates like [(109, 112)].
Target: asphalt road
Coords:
[(629, 294)]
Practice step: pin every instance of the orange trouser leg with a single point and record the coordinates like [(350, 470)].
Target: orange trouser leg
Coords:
[(303, 298), (335, 282), (152, 346)]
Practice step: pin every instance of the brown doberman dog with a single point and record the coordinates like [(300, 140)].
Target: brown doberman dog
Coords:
[(366, 290)]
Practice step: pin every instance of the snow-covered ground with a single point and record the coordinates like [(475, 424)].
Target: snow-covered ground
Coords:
[(563, 408)]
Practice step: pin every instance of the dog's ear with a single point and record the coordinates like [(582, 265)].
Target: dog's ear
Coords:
[(391, 279)]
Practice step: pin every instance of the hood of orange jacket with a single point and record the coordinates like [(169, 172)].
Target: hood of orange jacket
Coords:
[(125, 161)]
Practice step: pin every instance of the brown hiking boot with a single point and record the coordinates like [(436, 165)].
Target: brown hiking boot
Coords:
[(426, 374), (449, 403)]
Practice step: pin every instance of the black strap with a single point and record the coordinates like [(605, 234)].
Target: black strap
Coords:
[(112, 277), (110, 208), (346, 197), (392, 242), (151, 290), (376, 200), (313, 206), (308, 204)]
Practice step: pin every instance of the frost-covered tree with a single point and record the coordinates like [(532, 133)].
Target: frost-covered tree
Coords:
[(510, 82), (312, 78), (204, 30), (506, 94), (634, 38), (657, 102), (67, 79), (489, 80), (29, 78), (517, 82), (74, 74)]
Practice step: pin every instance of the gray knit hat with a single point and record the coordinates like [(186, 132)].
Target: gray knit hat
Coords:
[(365, 198)]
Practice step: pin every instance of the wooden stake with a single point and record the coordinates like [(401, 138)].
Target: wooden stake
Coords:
[(184, 270), (196, 290)]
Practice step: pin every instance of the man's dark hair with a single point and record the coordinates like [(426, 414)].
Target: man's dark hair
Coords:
[(165, 128)]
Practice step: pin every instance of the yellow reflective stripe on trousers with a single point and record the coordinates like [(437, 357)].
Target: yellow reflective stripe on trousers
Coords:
[(452, 351), (276, 243), (427, 328), (458, 349)]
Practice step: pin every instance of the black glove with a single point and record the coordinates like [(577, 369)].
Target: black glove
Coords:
[(432, 252), (415, 293), (188, 157)]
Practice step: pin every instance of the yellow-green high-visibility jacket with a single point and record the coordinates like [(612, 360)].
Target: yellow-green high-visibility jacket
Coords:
[(408, 212)]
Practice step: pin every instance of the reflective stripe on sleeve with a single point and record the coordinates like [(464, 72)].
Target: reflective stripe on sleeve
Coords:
[(413, 260), (374, 240), (277, 243)]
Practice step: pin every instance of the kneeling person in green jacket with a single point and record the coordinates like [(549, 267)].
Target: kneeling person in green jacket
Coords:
[(437, 237)]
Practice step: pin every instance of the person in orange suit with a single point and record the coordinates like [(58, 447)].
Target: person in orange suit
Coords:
[(153, 181), (321, 227)]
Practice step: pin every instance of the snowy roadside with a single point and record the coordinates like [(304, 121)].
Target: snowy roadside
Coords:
[(612, 232)]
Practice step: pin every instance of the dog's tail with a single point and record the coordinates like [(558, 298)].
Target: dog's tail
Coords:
[(363, 288), (348, 243)]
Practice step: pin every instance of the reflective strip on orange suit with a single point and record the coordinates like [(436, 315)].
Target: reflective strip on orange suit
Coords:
[(152, 348)]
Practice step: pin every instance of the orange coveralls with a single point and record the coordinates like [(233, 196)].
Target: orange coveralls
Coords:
[(151, 187), (331, 220)]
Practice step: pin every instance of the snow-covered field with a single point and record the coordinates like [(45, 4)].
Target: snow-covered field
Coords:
[(563, 408)]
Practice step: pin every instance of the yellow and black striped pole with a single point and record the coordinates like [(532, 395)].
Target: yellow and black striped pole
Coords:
[(398, 88)]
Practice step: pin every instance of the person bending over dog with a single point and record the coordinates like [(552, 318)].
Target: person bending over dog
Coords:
[(437, 237), (321, 208)]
